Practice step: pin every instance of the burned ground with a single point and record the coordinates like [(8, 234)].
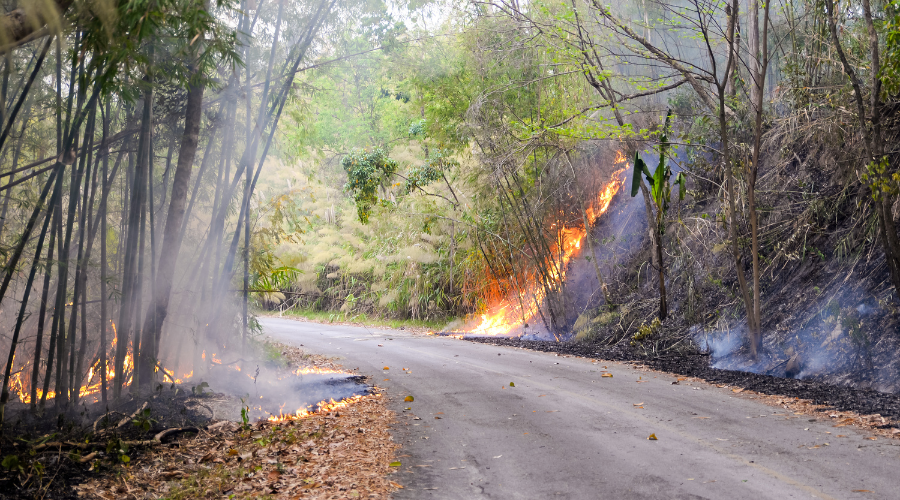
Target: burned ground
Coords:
[(863, 401)]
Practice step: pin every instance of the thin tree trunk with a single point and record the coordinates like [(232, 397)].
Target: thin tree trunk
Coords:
[(84, 250), (139, 299), (129, 306), (102, 215), (729, 186), (759, 79), (4, 394), (53, 347), (42, 315), (15, 163), (171, 246)]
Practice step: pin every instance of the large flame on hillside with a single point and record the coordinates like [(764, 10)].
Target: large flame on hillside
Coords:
[(508, 313)]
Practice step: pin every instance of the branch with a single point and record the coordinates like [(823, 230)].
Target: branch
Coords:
[(693, 78)]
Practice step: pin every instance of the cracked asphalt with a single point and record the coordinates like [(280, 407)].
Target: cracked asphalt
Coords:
[(575, 428)]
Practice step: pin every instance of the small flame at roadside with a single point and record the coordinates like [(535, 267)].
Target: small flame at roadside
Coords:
[(323, 407)]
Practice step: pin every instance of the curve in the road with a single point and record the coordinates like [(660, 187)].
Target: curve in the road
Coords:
[(564, 430)]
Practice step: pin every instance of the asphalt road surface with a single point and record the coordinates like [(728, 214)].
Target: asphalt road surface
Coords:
[(566, 431)]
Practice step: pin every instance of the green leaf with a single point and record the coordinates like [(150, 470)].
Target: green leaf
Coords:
[(395, 464), (512, 384), (681, 180), (409, 399), (659, 181), (11, 462), (639, 168)]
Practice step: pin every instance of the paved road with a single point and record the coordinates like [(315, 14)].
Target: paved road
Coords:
[(564, 431)]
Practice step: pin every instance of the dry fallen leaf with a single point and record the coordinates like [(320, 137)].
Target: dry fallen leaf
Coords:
[(409, 399), (324, 459), (607, 375), (739, 389), (652, 437)]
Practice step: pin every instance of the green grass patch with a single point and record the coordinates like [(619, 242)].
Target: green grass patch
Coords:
[(339, 317)]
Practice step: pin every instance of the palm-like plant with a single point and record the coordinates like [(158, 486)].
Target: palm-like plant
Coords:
[(657, 198)]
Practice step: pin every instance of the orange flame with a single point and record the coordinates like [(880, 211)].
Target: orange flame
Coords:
[(323, 407), (507, 314)]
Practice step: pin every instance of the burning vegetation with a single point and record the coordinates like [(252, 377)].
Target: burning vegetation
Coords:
[(504, 315)]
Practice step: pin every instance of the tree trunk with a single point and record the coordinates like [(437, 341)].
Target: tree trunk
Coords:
[(52, 348), (128, 307), (4, 393), (654, 222), (101, 213), (171, 245), (759, 79), (42, 315)]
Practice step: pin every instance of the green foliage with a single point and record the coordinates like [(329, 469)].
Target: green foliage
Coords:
[(198, 389), (432, 170), (417, 128), (245, 416), (366, 172), (890, 68), (660, 188), (884, 184), (646, 331), (118, 448), (143, 421), (12, 462)]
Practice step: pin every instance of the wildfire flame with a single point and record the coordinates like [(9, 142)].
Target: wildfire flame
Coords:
[(507, 314), (317, 370), (20, 382), (323, 407)]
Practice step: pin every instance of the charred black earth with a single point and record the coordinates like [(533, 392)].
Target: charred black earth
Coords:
[(864, 401)]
